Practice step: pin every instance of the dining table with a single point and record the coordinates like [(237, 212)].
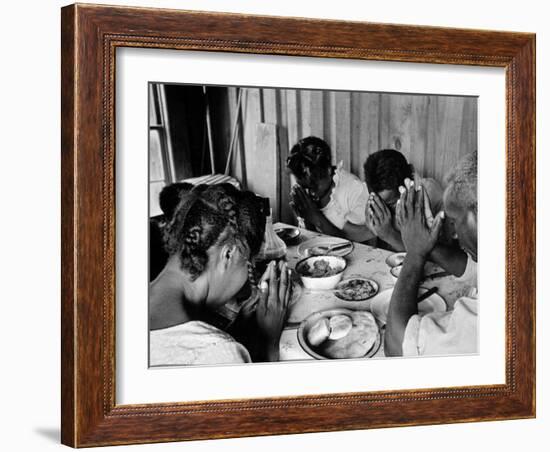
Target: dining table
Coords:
[(363, 261)]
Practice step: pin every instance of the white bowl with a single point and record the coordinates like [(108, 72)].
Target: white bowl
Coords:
[(395, 259), (323, 282), (395, 271)]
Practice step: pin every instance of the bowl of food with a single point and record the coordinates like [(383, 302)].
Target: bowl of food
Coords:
[(288, 234), (356, 289), (395, 271), (339, 334), (321, 272), (395, 259)]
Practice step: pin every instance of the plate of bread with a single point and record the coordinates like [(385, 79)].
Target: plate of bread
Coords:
[(339, 334)]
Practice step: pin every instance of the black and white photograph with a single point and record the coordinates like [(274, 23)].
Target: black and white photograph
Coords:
[(292, 224)]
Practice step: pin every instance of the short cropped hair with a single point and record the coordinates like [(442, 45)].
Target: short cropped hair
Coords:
[(386, 170), (461, 183), (312, 153)]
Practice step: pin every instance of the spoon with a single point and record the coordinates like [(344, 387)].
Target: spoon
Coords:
[(427, 294), (320, 250)]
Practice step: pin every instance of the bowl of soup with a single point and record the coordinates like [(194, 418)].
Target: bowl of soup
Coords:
[(321, 272)]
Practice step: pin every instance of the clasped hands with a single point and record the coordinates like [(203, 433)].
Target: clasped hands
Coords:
[(303, 205), (419, 229)]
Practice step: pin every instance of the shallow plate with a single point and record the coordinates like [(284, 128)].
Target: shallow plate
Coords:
[(380, 303), (342, 296), (304, 248), (309, 321)]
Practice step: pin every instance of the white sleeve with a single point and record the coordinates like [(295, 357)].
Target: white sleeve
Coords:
[(357, 196), (410, 338)]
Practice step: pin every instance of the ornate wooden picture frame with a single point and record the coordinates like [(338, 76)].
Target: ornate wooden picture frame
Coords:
[(90, 37)]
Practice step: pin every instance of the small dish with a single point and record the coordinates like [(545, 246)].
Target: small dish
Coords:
[(356, 289)]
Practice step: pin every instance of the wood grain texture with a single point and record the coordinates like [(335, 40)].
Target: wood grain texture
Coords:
[(433, 132), (90, 36)]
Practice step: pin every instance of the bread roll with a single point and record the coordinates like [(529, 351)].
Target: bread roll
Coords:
[(319, 332), (340, 326), (358, 342)]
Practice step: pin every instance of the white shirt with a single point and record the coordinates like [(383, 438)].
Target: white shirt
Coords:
[(348, 199), (194, 342), (447, 333), (444, 333)]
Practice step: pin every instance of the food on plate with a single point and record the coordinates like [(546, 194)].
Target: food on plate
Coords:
[(340, 326), (349, 336), (319, 332), (356, 289), (321, 269)]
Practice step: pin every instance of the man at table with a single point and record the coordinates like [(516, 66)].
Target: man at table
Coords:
[(441, 333)]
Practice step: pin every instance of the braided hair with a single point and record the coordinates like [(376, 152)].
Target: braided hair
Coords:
[(210, 215), (251, 217), (310, 156), (170, 196), (204, 217), (386, 170)]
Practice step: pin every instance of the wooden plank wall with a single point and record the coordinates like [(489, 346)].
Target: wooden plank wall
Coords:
[(433, 132)]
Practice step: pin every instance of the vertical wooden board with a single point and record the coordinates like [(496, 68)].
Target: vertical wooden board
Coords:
[(316, 111), (384, 137), (404, 126), (292, 114), (364, 129), (449, 133), (418, 132), (285, 212), (251, 117), (269, 96), (431, 138), (305, 113), (236, 166), (468, 139), (329, 123), (342, 135), (400, 118), (263, 167)]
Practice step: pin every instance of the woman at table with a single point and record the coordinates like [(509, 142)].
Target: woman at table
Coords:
[(328, 198), (386, 172), (438, 333), (209, 243)]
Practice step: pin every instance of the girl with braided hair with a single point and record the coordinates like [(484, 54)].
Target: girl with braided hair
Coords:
[(328, 198), (209, 239)]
